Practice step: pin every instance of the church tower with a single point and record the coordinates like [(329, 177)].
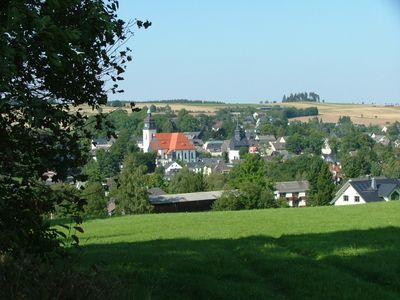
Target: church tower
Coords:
[(149, 131)]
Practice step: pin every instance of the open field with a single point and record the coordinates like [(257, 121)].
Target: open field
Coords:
[(329, 112), (360, 114), (320, 253)]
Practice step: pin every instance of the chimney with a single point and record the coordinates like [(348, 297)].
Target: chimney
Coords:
[(373, 183)]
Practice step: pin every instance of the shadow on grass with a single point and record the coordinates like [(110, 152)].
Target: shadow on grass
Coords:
[(339, 265)]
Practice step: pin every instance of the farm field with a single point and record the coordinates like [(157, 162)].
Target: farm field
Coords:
[(359, 113), (321, 253), (329, 112)]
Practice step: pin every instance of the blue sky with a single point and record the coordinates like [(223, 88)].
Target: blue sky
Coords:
[(248, 51)]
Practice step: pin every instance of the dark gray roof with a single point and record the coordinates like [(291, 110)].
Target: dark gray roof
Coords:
[(210, 162), (278, 145), (384, 187), (195, 165), (292, 186), (101, 141), (187, 197), (266, 138), (192, 134), (214, 145), (236, 144)]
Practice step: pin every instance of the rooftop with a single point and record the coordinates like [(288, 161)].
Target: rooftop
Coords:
[(186, 197)]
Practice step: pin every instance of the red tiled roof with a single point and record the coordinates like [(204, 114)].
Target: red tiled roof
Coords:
[(171, 141)]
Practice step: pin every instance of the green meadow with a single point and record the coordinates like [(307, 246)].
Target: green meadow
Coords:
[(319, 253)]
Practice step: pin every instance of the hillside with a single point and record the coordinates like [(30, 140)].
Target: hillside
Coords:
[(323, 252)]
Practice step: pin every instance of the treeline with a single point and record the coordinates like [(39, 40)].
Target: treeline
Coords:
[(292, 112), (301, 97)]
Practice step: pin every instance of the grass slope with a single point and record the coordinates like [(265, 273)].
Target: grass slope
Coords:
[(323, 252)]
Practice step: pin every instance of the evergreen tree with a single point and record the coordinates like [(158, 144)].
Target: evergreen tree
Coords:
[(325, 187), (130, 192), (95, 198)]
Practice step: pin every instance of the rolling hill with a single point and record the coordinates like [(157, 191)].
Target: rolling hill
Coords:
[(323, 252)]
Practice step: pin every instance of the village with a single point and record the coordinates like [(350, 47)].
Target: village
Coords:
[(174, 151)]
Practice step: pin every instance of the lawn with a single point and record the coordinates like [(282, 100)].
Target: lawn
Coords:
[(322, 253)]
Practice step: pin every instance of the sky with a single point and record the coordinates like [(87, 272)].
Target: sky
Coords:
[(257, 50)]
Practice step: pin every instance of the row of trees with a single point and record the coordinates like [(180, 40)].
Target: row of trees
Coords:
[(300, 97)]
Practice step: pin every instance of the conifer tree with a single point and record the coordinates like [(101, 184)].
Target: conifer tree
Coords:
[(325, 187)]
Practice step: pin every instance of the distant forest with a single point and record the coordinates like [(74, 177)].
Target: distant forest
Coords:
[(119, 103), (300, 97)]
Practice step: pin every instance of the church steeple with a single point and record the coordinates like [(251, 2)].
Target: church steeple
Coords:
[(149, 121), (237, 134), (149, 130)]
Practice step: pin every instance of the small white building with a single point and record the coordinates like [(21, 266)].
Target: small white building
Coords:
[(326, 149), (365, 190)]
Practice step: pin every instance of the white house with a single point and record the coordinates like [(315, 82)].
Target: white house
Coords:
[(172, 167), (365, 190)]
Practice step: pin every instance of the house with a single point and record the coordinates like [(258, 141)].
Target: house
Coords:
[(367, 189), (172, 167), (222, 168), (249, 120), (265, 138), (381, 139), (396, 143), (186, 202), (296, 192), (197, 167), (283, 139), (214, 147), (100, 144), (217, 125), (195, 138), (277, 146), (210, 165), (168, 146)]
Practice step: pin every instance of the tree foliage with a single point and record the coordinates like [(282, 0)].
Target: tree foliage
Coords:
[(186, 182), (248, 187), (53, 55), (130, 191)]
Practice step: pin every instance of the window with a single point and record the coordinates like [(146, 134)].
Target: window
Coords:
[(345, 198), (356, 198), (395, 196)]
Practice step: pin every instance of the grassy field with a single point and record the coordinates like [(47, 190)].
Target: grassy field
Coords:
[(320, 253)]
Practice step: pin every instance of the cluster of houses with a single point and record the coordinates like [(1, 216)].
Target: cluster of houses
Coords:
[(182, 148)]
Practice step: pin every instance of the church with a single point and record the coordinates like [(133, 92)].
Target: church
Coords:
[(169, 146)]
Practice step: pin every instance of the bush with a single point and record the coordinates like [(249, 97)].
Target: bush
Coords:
[(30, 277)]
